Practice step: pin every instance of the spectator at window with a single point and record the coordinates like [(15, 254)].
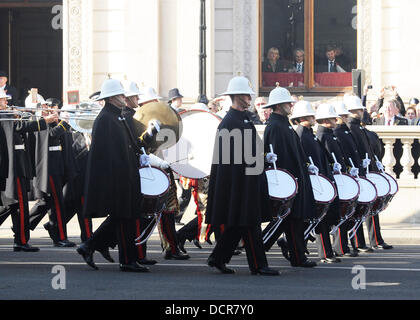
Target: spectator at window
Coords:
[(329, 63), (298, 64), (273, 62)]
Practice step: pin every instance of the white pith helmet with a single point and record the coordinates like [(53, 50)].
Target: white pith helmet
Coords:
[(302, 109), (353, 103), (131, 88), (239, 85), (277, 96), (340, 108), (148, 94), (111, 88), (325, 111)]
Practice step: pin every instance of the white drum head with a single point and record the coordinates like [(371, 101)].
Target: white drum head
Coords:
[(153, 181), (368, 191), (281, 184), (192, 156), (381, 183), (347, 187), (392, 182), (323, 189)]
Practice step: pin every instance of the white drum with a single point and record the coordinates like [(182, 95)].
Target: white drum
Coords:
[(348, 192), (192, 156), (381, 183), (368, 191), (282, 186), (154, 184), (392, 182), (347, 187), (323, 189)]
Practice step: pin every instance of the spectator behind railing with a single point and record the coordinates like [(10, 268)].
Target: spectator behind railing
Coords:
[(411, 116)]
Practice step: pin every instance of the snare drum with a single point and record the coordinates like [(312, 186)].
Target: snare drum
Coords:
[(367, 197), (154, 188), (324, 194), (383, 187), (348, 192), (394, 188), (282, 189)]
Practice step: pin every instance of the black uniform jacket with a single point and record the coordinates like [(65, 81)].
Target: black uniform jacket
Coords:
[(349, 147), (323, 160), (20, 161), (4, 159), (291, 157), (236, 198), (362, 142), (332, 145), (112, 175)]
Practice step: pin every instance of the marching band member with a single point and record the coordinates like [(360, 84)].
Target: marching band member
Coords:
[(328, 117), (112, 181), (238, 197), (281, 135), (305, 116), (20, 173), (356, 108), (54, 165)]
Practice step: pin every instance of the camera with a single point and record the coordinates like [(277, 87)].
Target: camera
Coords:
[(370, 87)]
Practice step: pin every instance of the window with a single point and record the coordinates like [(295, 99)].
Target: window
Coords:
[(308, 45)]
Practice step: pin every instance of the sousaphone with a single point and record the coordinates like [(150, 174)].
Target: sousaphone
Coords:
[(170, 124)]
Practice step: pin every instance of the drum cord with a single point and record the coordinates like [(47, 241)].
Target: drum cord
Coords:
[(155, 221)]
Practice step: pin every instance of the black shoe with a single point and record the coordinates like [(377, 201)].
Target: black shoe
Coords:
[(330, 260), (176, 256), (64, 244), (209, 242), (282, 243), (197, 244), (351, 254), (147, 262), (365, 249), (306, 264), (221, 267), (181, 245), (133, 267), (47, 227), (383, 246), (24, 247), (106, 254), (87, 255), (266, 271)]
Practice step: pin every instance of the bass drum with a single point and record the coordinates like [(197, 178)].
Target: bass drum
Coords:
[(324, 194), (282, 189), (348, 192), (192, 156), (154, 184), (383, 187)]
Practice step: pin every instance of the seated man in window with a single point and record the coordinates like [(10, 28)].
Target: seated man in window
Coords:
[(298, 64), (329, 64), (273, 63)]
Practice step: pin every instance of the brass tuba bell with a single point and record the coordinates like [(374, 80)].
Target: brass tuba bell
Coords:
[(170, 124)]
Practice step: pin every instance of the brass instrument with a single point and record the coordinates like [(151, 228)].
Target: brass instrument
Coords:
[(170, 124)]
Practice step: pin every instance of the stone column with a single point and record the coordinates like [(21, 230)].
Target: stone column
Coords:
[(407, 160), (389, 160)]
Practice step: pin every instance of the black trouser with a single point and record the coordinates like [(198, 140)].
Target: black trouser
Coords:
[(323, 240), (294, 230), (358, 241), (184, 201), (141, 225), (341, 239), (167, 225), (19, 211), (123, 230), (73, 201), (52, 203), (254, 247), (374, 230)]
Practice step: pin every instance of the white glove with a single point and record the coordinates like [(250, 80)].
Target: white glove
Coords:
[(337, 168), (158, 162), (366, 163), (313, 169), (144, 160), (354, 172), (270, 157), (380, 166), (154, 126)]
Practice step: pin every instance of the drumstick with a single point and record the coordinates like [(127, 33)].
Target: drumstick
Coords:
[(378, 161), (335, 159), (150, 167), (367, 169), (352, 164), (274, 164), (317, 175), (190, 157)]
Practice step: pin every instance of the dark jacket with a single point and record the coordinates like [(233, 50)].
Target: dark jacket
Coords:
[(280, 66), (349, 147), (12, 91), (291, 157), (236, 198), (398, 121), (332, 145), (112, 175)]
